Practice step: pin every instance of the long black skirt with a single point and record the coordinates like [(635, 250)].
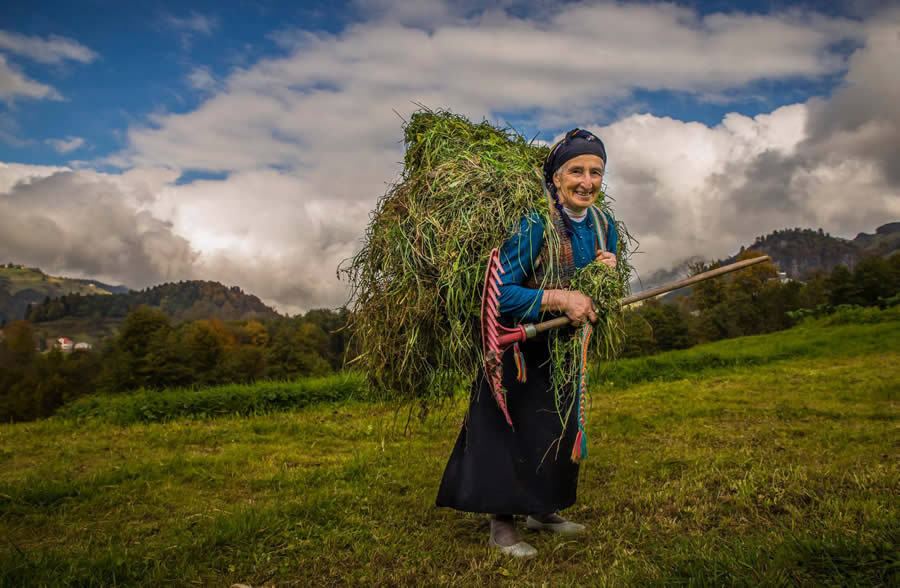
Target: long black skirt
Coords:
[(523, 469)]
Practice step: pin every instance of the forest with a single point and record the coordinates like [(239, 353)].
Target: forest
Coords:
[(754, 301), (153, 351), (181, 301)]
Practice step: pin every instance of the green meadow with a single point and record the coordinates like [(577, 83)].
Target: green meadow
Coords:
[(770, 460)]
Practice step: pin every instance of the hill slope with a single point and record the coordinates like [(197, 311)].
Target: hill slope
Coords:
[(754, 475), (801, 252), (182, 301), (885, 241), (21, 286), (797, 252)]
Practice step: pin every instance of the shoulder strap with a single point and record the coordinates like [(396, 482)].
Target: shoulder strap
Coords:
[(601, 225)]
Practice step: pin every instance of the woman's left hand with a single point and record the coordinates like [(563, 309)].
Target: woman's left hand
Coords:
[(608, 258)]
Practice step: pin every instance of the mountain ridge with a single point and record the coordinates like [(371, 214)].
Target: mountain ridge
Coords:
[(21, 286), (181, 301), (796, 252), (801, 252)]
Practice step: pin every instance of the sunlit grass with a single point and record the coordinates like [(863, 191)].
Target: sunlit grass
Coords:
[(782, 471)]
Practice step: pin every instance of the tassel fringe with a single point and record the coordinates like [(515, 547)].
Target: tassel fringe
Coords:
[(521, 373), (579, 450)]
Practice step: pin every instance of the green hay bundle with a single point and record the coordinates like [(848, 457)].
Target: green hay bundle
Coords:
[(416, 283), (606, 287)]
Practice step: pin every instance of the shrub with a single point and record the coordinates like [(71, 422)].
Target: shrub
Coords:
[(231, 399)]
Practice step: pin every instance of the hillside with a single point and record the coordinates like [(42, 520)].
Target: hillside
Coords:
[(797, 252), (802, 252), (181, 301), (885, 241), (21, 286), (759, 461)]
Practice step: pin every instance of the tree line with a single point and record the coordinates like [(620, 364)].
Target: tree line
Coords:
[(754, 301), (151, 351), (182, 301)]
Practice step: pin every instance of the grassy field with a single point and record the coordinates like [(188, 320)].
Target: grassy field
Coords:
[(763, 461)]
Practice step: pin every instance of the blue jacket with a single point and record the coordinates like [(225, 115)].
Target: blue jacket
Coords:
[(518, 254)]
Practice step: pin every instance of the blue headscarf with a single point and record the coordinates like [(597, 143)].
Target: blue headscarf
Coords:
[(576, 142)]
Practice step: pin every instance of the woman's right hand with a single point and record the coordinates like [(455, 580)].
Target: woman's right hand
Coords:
[(577, 306)]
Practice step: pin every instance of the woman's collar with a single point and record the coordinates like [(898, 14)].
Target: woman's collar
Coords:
[(575, 217)]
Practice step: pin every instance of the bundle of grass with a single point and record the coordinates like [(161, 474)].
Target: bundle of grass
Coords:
[(416, 283)]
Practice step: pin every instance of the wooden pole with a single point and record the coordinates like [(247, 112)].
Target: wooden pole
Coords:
[(732, 267)]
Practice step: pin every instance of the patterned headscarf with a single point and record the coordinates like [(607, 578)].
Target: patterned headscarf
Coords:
[(576, 142)]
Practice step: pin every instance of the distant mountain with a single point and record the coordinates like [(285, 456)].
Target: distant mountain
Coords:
[(181, 301), (797, 252), (885, 241), (801, 252), (21, 286)]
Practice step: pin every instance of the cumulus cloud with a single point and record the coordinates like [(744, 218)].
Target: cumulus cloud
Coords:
[(862, 119), (688, 189), (324, 117), (54, 49), (307, 142), (269, 232), (15, 173), (490, 62), (141, 229), (86, 224), (66, 145)]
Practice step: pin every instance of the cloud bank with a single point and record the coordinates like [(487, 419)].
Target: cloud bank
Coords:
[(91, 225), (306, 143)]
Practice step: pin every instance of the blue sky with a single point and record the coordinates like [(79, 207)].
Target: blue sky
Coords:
[(177, 115), (147, 50)]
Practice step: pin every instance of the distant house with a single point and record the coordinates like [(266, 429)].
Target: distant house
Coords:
[(65, 344), (83, 345)]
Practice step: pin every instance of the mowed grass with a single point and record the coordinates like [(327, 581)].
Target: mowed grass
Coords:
[(781, 472)]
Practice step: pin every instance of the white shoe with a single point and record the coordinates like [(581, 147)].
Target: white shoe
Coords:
[(563, 528), (520, 550)]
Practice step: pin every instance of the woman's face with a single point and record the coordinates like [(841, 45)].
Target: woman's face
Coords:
[(578, 182)]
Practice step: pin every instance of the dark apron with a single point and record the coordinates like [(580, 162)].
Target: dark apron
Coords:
[(524, 469)]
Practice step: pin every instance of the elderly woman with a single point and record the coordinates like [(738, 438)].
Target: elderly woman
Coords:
[(526, 469)]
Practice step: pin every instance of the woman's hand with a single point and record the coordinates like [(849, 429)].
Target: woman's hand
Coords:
[(576, 305), (607, 257)]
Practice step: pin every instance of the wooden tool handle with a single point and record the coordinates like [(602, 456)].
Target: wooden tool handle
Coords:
[(732, 267)]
